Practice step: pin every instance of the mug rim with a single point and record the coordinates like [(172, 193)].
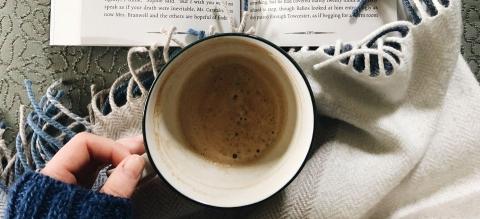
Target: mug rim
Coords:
[(271, 44)]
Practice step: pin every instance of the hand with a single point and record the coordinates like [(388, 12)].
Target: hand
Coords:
[(79, 161)]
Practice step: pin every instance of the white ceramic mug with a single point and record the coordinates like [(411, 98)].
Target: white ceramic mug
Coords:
[(220, 185)]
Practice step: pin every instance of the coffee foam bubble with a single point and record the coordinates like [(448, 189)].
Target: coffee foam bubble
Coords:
[(232, 112)]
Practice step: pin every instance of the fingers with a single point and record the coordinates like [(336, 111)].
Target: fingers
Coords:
[(133, 144), (124, 178), (80, 152)]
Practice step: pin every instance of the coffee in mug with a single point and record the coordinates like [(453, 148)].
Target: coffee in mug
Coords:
[(229, 121), (232, 110)]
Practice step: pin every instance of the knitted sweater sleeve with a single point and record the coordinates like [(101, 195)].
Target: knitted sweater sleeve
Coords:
[(38, 196)]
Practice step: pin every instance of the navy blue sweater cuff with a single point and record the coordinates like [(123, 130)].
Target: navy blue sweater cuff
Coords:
[(38, 196)]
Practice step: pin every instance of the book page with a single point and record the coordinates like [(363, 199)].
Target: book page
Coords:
[(140, 22), (65, 22), (317, 22)]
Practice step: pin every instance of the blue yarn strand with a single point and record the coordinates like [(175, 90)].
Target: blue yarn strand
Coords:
[(43, 145), (50, 108), (42, 134), (199, 34), (18, 168), (411, 12), (359, 8), (406, 3), (35, 154), (245, 5), (20, 152), (47, 149), (120, 93), (42, 115)]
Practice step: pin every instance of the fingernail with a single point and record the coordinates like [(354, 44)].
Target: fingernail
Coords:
[(133, 166)]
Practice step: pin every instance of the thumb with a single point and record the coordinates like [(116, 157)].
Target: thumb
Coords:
[(124, 178)]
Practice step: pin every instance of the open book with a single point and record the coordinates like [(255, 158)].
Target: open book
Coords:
[(284, 22)]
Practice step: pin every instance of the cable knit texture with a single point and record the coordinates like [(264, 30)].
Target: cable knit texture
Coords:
[(37, 196)]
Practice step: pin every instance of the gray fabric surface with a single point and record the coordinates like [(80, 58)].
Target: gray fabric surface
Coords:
[(471, 35)]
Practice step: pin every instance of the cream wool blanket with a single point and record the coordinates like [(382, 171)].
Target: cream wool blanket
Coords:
[(399, 135)]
